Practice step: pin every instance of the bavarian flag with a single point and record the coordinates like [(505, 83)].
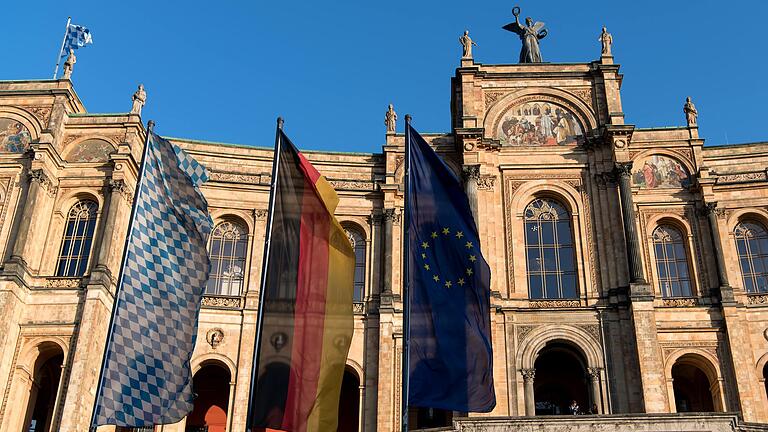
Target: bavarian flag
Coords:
[(307, 306), (450, 362)]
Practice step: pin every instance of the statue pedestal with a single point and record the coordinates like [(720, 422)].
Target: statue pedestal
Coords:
[(467, 61), (606, 59)]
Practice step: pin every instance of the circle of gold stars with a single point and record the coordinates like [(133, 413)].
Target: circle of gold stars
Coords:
[(468, 249)]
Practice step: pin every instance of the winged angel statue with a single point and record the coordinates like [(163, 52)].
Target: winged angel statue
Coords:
[(530, 33)]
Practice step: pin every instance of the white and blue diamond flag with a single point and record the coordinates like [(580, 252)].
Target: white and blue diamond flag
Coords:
[(77, 37), (147, 378)]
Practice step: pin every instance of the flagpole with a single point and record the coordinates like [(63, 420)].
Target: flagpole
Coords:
[(406, 275), (264, 265), (139, 180), (63, 41)]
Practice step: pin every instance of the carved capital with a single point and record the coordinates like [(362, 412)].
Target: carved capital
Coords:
[(622, 169), (486, 182), (39, 176), (260, 214), (120, 187), (375, 219), (711, 208), (392, 215), (528, 374), (471, 172), (594, 373)]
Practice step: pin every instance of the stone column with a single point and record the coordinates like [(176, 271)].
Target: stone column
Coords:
[(712, 213), (390, 215), (118, 189), (360, 407), (623, 170), (230, 405), (471, 174), (26, 240), (530, 400), (594, 382)]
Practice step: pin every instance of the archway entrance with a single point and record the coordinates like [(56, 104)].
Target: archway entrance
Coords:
[(349, 402), (211, 388), (561, 378), (45, 387), (692, 387)]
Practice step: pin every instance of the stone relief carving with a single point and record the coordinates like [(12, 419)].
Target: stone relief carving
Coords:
[(63, 282), (260, 214), (214, 337), (393, 215), (522, 332), (681, 302), (553, 303), (43, 113), (222, 302), (585, 94), (592, 329), (237, 177), (755, 299), (486, 182), (352, 184), (491, 97), (742, 177)]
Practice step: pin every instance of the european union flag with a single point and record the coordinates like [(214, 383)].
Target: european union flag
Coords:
[(449, 290)]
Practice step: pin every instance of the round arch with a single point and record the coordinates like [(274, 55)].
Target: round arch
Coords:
[(583, 112), (214, 359), (730, 251), (577, 337), (33, 125), (220, 216), (687, 164), (681, 224), (703, 361)]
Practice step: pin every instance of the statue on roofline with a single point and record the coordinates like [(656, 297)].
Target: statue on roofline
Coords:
[(530, 33)]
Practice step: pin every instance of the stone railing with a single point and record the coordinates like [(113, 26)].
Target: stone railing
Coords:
[(63, 282), (681, 302), (222, 302), (699, 422)]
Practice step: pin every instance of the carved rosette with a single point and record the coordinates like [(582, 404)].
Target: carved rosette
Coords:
[(39, 176), (528, 374)]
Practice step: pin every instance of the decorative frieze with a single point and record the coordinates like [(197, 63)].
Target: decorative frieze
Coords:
[(681, 302), (554, 303), (486, 182), (746, 177), (352, 184), (222, 302), (754, 299), (233, 177), (57, 282)]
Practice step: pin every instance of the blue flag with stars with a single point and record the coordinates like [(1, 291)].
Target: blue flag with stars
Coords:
[(451, 361)]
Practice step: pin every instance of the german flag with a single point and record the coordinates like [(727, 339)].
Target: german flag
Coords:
[(306, 311)]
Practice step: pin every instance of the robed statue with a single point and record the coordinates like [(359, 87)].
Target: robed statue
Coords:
[(530, 33)]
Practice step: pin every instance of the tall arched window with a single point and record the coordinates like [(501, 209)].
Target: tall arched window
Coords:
[(752, 245), (671, 262), (229, 243), (78, 238), (549, 251), (358, 244)]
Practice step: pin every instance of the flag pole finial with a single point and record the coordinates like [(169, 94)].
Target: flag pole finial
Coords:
[(151, 125), (280, 122)]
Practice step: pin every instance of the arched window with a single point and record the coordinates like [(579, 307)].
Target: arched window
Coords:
[(229, 243), (671, 262), (78, 238), (549, 251), (358, 244), (752, 245)]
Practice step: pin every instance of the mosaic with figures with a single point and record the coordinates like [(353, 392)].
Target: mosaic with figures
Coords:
[(539, 123), (14, 136), (660, 172)]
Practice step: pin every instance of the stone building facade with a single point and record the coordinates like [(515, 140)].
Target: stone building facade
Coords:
[(630, 265)]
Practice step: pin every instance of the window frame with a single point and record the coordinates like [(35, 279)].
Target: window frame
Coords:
[(762, 254), (219, 260), (349, 229), (70, 237), (656, 240)]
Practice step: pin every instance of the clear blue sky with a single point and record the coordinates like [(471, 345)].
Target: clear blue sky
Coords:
[(224, 70)]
